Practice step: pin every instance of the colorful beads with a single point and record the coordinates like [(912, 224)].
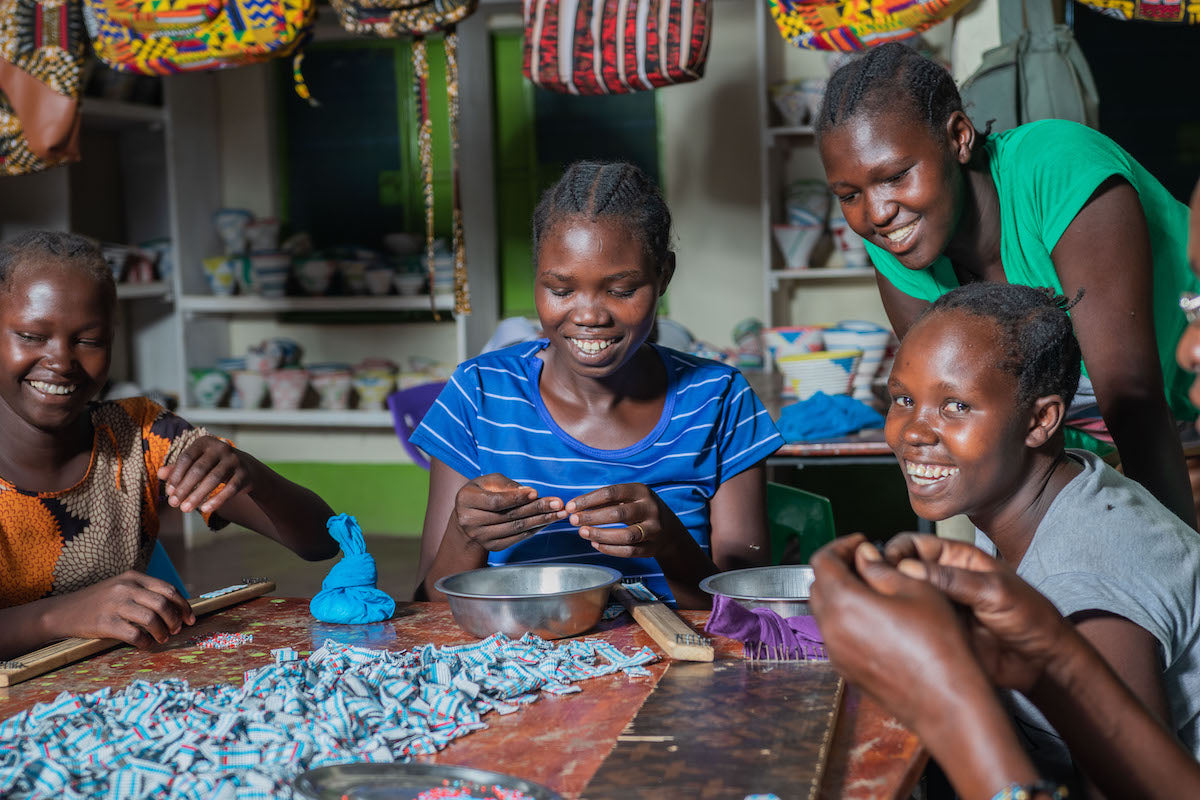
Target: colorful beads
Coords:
[(222, 641)]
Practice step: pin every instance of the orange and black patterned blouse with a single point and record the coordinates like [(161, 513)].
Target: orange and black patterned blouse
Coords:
[(54, 543)]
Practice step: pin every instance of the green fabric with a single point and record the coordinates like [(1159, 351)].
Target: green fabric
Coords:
[(1078, 440), (1045, 172)]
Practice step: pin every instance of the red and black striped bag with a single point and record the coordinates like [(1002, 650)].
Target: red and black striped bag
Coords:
[(615, 46)]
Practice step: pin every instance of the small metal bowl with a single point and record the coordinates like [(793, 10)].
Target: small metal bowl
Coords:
[(784, 589), (550, 600)]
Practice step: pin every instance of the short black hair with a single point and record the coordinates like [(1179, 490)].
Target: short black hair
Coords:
[(886, 76), (615, 189), (1036, 336), (68, 249)]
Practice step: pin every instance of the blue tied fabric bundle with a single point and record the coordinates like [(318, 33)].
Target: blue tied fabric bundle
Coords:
[(823, 416), (348, 594)]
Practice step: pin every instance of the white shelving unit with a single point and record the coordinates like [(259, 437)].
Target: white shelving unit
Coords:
[(301, 418), (780, 144)]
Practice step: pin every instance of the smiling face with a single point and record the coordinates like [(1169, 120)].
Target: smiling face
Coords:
[(56, 329), (596, 292), (954, 422), (899, 185)]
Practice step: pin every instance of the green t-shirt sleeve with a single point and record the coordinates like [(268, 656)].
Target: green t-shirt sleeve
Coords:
[(1058, 166)]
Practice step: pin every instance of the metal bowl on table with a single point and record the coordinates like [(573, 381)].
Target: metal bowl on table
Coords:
[(550, 600), (784, 589)]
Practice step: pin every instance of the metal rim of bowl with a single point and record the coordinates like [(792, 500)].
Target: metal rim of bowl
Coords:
[(706, 585), (613, 577)]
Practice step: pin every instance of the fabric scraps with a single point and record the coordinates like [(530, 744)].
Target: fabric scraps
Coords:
[(822, 416), (222, 641), (343, 704), (464, 791), (764, 634), (348, 593)]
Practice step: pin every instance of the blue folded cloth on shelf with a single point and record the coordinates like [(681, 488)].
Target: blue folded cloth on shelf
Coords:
[(348, 594), (823, 416)]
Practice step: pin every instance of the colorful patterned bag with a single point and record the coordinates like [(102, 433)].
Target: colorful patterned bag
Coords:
[(160, 37), (850, 25), (419, 18), (41, 49), (615, 46), (1185, 11)]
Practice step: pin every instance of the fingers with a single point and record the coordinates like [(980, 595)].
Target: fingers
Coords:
[(606, 496), (171, 594), (203, 467), (633, 541)]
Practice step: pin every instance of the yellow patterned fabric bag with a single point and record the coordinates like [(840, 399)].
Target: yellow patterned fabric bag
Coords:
[(849, 25), (41, 49), (1178, 11), (160, 37)]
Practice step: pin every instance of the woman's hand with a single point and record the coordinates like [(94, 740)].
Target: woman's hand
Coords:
[(650, 528), (131, 607), (895, 637), (206, 465), (1014, 631), (495, 512)]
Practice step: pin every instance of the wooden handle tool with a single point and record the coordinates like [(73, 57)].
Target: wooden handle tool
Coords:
[(665, 627), (68, 651)]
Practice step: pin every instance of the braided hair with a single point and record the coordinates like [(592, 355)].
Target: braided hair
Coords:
[(889, 74), (616, 190), (1036, 337), (68, 249)]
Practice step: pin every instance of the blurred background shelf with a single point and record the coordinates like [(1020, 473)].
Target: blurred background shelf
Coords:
[(252, 304), (298, 418), (820, 274), (116, 113), (160, 290)]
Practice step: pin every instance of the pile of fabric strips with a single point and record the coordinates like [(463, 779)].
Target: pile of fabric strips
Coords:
[(342, 704)]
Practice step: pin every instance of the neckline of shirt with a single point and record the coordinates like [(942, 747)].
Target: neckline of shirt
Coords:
[(533, 369)]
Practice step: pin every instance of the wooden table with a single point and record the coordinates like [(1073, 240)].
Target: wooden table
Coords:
[(558, 741)]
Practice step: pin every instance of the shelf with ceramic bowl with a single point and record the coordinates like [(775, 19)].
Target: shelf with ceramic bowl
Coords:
[(289, 418), (158, 290), (254, 304)]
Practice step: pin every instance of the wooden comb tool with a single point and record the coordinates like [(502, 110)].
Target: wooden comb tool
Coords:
[(68, 651), (665, 627)]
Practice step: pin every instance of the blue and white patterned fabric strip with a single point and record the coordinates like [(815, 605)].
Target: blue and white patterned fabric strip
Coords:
[(167, 740)]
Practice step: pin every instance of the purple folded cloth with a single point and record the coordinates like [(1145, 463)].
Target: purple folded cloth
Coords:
[(765, 634)]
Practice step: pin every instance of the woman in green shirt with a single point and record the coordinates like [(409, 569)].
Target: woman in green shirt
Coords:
[(1051, 203)]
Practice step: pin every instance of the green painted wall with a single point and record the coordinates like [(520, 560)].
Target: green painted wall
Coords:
[(385, 498)]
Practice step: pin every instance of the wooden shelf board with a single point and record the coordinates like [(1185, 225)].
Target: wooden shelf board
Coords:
[(791, 130), (252, 304), (299, 418), (137, 291), (118, 113), (821, 274)]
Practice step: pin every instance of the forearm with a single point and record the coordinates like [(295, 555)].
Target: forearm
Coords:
[(296, 515), (456, 553), (1121, 747), (969, 734), (684, 565), (1146, 437), (27, 627)]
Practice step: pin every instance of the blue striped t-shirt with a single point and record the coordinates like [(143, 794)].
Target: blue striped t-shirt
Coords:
[(491, 418)]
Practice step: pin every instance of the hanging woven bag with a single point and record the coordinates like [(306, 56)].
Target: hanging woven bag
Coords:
[(418, 19), (850, 25), (41, 50), (590, 47)]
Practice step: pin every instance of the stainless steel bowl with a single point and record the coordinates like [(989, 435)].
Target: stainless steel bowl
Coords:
[(783, 589), (550, 600)]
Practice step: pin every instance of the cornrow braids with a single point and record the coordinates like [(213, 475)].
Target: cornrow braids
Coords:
[(613, 189), (68, 249), (888, 74), (1039, 344)]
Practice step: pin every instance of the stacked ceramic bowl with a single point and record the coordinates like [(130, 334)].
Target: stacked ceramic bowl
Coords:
[(872, 340), (828, 371), (791, 340)]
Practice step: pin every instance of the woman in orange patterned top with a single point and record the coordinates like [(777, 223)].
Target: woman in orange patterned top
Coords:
[(81, 482)]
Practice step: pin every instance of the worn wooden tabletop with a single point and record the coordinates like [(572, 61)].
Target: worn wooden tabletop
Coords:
[(558, 741)]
